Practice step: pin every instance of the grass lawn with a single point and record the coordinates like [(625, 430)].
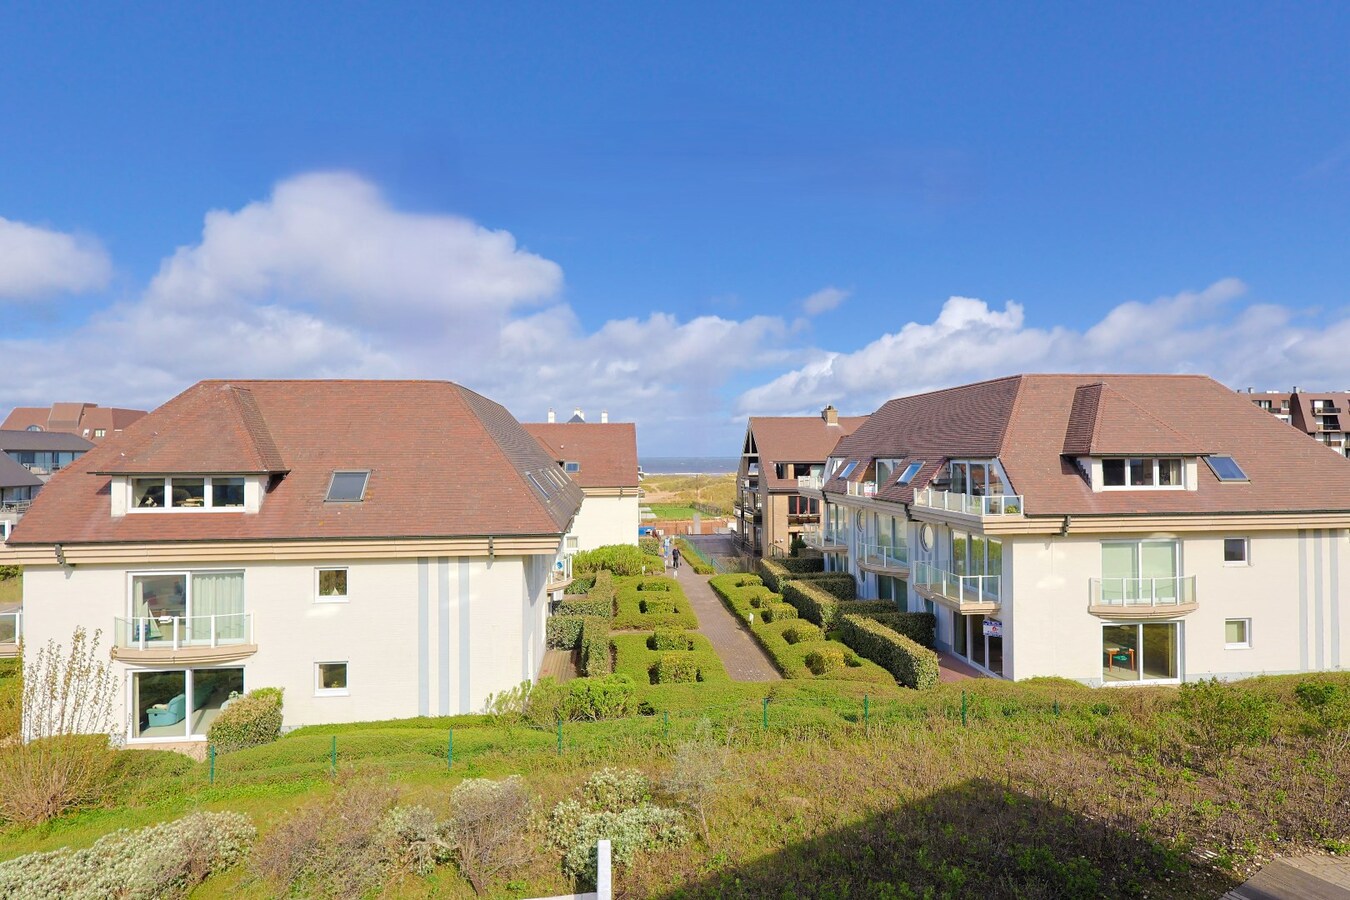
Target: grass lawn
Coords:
[(666, 512), (633, 658)]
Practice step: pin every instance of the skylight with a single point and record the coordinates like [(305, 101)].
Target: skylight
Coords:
[(572, 467), (848, 468), (910, 471), (1225, 468), (347, 487)]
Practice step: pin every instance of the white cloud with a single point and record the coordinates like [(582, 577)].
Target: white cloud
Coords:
[(1262, 345), (824, 300), (37, 262)]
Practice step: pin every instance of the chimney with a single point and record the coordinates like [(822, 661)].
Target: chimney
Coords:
[(1295, 389), (830, 415), (576, 415), (604, 417), (551, 416)]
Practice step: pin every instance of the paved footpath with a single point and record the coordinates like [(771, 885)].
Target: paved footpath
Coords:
[(743, 658)]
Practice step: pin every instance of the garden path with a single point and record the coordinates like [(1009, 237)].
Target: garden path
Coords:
[(743, 658)]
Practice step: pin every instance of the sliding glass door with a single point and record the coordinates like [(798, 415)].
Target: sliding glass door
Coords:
[(180, 703)]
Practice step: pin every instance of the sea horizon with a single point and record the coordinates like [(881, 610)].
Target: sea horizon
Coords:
[(688, 465)]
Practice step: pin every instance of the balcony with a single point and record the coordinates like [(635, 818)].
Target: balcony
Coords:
[(862, 488), (11, 632), (810, 482), (883, 559), (17, 506), (995, 505), (1327, 410), (560, 576), (180, 639), (1142, 598), (824, 540), (967, 594)]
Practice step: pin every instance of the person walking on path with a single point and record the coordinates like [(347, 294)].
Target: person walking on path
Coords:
[(675, 555)]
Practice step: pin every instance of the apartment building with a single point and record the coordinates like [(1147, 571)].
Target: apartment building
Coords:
[(1324, 417), (87, 420), (777, 451), (601, 459), (376, 549), (1114, 529)]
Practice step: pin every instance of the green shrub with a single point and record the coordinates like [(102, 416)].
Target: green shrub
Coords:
[(774, 570), (562, 632), (670, 639), (599, 698), (613, 804), (166, 860), (657, 607), (621, 559), (8, 572), (802, 631), (654, 584), (248, 721), (675, 668), (1218, 717), (841, 584), (587, 606), (594, 642), (919, 627), (777, 612), (650, 546), (581, 584), (820, 606), (912, 665), (825, 660)]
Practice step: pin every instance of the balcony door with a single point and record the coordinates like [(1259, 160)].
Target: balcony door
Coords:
[(1133, 571), (190, 607)]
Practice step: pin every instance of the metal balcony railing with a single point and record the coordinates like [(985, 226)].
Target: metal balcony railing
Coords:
[(971, 504)]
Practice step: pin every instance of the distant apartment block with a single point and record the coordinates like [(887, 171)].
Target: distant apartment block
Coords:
[(1114, 529), (602, 459), (28, 459), (1325, 417), (779, 454), (88, 420)]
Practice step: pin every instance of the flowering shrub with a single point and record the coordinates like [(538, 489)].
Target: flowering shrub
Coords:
[(612, 804), (165, 860)]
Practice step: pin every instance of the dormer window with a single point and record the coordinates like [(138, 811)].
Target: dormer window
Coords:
[(1142, 472), (187, 492), (885, 468), (347, 487)]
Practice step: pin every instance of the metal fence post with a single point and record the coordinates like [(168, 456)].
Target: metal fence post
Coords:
[(1056, 707), (665, 717), (866, 712), (332, 758), (211, 754)]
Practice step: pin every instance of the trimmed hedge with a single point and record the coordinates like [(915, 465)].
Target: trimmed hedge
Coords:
[(653, 584), (656, 607), (823, 608), (587, 606), (562, 632), (599, 698), (840, 584), (777, 612), (825, 660), (912, 665), (919, 627), (250, 720), (670, 639), (595, 658), (621, 559), (581, 584), (650, 608), (781, 568), (802, 631), (675, 668)]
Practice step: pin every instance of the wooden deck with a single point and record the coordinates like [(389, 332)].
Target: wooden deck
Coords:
[(560, 665), (1297, 878)]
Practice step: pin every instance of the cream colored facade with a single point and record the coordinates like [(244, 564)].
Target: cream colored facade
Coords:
[(607, 516), (1292, 591), (420, 634)]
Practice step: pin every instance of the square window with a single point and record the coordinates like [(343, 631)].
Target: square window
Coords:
[(330, 678), (227, 492), (188, 492), (347, 487), (147, 493), (1113, 472), (1237, 634), (332, 585), (1235, 551), (571, 544), (100, 432)]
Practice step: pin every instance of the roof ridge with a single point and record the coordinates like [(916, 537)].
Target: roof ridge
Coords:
[(245, 407), (1005, 428), (1150, 416)]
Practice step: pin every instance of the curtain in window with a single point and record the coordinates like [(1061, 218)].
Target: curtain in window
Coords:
[(218, 594), (1158, 559), (1118, 572)]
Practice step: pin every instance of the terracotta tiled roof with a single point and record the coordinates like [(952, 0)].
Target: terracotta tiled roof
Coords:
[(1103, 422), (606, 451), (1026, 420), (42, 441), (796, 439), (74, 418), (443, 461)]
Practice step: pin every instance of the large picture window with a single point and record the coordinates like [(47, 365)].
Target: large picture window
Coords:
[(186, 608), (180, 703), (1141, 652), (1133, 571), (185, 492)]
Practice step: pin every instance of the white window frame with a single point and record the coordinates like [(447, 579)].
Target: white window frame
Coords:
[(189, 684), (571, 544), (187, 574), (208, 498), (331, 598), (1246, 552), (319, 690), (1155, 486), (1180, 658), (1246, 631), (100, 432)]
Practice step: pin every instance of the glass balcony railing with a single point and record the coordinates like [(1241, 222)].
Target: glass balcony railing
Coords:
[(11, 627), (1167, 593), (960, 589), (880, 556), (971, 504), (862, 488), (163, 632), (822, 538), (810, 482)]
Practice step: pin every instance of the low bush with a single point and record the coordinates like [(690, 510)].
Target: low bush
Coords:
[(621, 559), (777, 612), (594, 642), (643, 606), (632, 657), (592, 699), (919, 627), (780, 568), (654, 584), (670, 639), (166, 860), (581, 584), (656, 607), (1217, 718), (912, 665), (486, 828), (611, 804), (841, 584), (825, 660), (823, 608), (650, 546), (587, 606), (250, 720), (674, 668), (563, 632), (802, 631)]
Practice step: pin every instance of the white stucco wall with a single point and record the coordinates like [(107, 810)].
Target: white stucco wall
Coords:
[(606, 520), (431, 636)]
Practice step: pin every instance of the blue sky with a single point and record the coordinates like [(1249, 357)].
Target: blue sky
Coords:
[(627, 206)]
